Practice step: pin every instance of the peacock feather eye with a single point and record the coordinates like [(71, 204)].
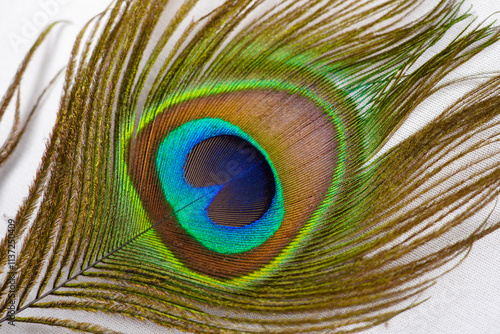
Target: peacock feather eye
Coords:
[(229, 173), (226, 179)]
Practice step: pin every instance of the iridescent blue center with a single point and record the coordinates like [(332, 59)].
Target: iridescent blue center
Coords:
[(221, 185)]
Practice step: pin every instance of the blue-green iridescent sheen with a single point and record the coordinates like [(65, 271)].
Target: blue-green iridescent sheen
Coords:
[(190, 203)]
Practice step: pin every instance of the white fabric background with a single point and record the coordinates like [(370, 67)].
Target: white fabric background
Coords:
[(466, 301)]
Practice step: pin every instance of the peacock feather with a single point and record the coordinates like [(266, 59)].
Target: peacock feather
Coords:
[(229, 173)]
